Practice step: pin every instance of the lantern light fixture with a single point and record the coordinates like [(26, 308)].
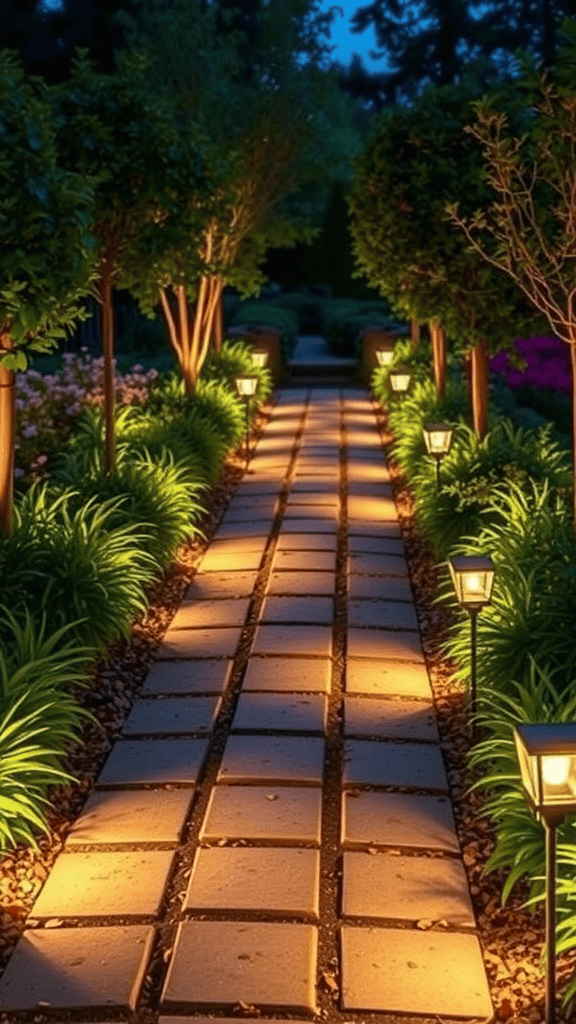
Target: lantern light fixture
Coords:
[(246, 386), (385, 353), (259, 357), (547, 758), (473, 579), (400, 378), (438, 441)]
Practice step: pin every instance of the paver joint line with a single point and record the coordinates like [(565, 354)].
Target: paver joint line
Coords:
[(254, 652)]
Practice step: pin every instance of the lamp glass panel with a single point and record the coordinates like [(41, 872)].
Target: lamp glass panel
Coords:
[(476, 586), (259, 357), (547, 759), (246, 386), (384, 356), (399, 381), (438, 438)]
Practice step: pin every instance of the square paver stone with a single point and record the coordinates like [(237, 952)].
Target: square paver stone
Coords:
[(323, 515), (131, 816), (282, 639), (281, 881), (199, 676), (172, 714), (298, 583), (198, 643), (264, 814), (194, 614), (394, 719), (221, 963), (392, 545), (300, 542), (153, 762), (296, 760), (371, 473), (77, 968), (317, 610), (382, 614), (206, 586), (281, 675), (385, 643), (388, 970), (280, 712), (416, 765), (306, 484), (380, 588), (406, 889), (94, 884), (401, 678), (398, 819), (304, 561), (318, 524), (368, 563), (230, 561), (228, 530), (358, 527), (363, 506)]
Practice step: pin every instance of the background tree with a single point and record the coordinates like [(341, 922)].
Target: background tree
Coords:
[(269, 133), (434, 41), (46, 251), (417, 160), (528, 230), (112, 129)]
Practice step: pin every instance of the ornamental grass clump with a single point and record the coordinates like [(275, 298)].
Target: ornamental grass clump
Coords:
[(73, 566), (39, 718), (471, 473), (533, 610)]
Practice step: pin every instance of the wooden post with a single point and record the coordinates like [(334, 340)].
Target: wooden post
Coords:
[(479, 387), (414, 333), (439, 358), (7, 429), (107, 329)]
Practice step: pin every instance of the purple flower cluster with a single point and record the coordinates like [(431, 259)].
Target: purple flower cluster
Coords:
[(47, 406), (548, 365)]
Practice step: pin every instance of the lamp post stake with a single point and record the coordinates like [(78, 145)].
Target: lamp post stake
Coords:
[(550, 1013), (247, 400), (473, 634)]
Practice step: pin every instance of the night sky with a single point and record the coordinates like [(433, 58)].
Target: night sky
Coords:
[(347, 43)]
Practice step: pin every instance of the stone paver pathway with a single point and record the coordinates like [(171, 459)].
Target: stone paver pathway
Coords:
[(284, 737)]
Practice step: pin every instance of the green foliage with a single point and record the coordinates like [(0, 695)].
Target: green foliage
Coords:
[(235, 359), (74, 566), (39, 718), (46, 251), (260, 314), (408, 417), (417, 359), (469, 497), (343, 320), (160, 495)]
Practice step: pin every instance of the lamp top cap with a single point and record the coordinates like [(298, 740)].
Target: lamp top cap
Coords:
[(443, 427), (472, 563), (401, 369), (543, 738), (247, 376)]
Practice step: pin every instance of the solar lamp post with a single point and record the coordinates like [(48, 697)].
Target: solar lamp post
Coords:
[(438, 440), (385, 353), (473, 579), (246, 386), (547, 758), (259, 357), (400, 378)]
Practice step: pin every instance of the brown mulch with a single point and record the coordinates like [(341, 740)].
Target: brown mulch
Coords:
[(511, 937)]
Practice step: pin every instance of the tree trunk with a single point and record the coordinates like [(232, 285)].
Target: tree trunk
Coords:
[(218, 325), (414, 333), (573, 362), (107, 329), (439, 358), (479, 387), (7, 425)]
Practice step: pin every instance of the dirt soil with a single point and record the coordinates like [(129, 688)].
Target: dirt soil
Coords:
[(511, 937)]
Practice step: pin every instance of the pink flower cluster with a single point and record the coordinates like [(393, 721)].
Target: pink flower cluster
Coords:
[(47, 405), (548, 366)]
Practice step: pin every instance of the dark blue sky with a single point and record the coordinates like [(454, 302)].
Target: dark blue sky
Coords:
[(346, 43)]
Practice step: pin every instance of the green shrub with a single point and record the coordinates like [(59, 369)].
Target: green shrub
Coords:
[(408, 417), (307, 307), (73, 566), (260, 314), (344, 319), (471, 472), (39, 718), (419, 360)]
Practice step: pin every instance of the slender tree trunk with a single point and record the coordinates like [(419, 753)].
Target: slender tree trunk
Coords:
[(414, 333), (479, 387), (107, 329), (573, 362), (439, 358), (218, 325), (7, 425)]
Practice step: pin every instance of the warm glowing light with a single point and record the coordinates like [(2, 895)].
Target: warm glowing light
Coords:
[(246, 386), (473, 578), (385, 355), (472, 584), (259, 357), (556, 770), (438, 438), (400, 379)]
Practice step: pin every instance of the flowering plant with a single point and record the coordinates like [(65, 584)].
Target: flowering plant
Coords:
[(547, 362), (48, 405)]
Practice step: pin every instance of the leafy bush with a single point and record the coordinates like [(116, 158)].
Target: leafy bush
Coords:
[(38, 719), (471, 472), (260, 314), (74, 566), (408, 417), (344, 319), (307, 307), (233, 359), (417, 359)]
